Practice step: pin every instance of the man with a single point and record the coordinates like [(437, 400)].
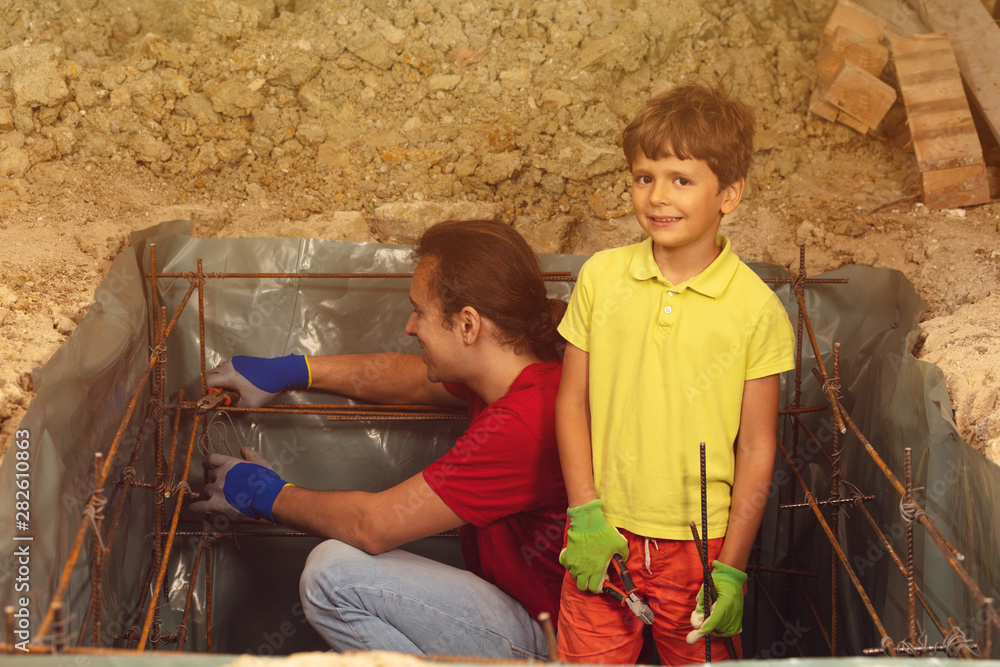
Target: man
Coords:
[(489, 339)]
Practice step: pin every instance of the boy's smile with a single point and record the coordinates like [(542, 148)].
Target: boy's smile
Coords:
[(679, 204)]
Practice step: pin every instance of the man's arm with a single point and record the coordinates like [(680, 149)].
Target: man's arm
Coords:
[(379, 378), (755, 448), (573, 427), (372, 522)]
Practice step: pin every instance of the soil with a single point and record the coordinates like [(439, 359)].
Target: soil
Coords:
[(369, 119)]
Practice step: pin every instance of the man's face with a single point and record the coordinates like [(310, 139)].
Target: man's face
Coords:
[(441, 344)]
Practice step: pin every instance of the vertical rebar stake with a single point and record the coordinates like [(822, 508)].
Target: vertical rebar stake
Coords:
[(911, 600), (545, 619), (201, 327), (58, 628), (835, 520), (705, 604), (988, 617), (99, 549)]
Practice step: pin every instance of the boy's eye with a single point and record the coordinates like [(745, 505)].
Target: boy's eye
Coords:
[(645, 180), (683, 181)]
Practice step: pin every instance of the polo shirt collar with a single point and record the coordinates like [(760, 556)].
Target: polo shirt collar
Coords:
[(711, 282)]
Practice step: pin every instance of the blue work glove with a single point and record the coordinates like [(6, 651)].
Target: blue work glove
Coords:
[(259, 379), (726, 617), (239, 488), (591, 543)]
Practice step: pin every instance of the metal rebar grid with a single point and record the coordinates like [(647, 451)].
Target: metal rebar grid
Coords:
[(146, 627), (830, 385)]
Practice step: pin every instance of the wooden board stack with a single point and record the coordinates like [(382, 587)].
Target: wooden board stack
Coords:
[(851, 58), (930, 69), (945, 140)]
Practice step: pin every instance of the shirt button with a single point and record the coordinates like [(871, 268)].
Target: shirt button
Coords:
[(667, 310), (671, 293)]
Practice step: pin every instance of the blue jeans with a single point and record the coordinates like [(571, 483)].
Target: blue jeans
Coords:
[(398, 601)]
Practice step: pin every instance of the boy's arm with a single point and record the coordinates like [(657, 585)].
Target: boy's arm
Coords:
[(573, 427), (755, 449), (590, 541)]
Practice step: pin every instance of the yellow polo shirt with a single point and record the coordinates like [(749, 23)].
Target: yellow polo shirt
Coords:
[(667, 369)]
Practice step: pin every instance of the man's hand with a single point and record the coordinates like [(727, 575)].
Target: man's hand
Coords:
[(726, 617), (240, 489), (258, 379), (591, 543)]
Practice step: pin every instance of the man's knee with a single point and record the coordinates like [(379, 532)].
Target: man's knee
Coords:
[(330, 566)]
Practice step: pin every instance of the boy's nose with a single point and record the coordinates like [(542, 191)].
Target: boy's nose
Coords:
[(658, 194)]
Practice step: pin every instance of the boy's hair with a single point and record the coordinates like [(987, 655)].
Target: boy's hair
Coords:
[(692, 121), (488, 265)]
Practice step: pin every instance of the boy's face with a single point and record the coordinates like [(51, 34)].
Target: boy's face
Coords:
[(678, 202)]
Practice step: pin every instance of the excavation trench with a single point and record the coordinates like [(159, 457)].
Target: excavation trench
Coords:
[(116, 561)]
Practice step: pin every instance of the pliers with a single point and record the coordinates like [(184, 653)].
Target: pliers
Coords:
[(216, 397), (627, 594)]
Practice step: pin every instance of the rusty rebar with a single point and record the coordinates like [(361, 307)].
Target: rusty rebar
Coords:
[(835, 514), (159, 497), (154, 597), (878, 531), (346, 412), (201, 328), (74, 554), (208, 597), (99, 549), (552, 276), (545, 619), (816, 616), (188, 599), (833, 502), (781, 570), (911, 602), (839, 552), (952, 555), (777, 612)]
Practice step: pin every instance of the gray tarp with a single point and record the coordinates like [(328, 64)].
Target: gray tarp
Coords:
[(82, 393)]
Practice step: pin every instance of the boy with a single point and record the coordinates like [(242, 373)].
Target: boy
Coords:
[(672, 342)]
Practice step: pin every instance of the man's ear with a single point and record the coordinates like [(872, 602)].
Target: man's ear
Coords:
[(470, 324), (732, 194)]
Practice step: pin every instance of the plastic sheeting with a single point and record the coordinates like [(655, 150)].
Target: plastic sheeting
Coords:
[(82, 393)]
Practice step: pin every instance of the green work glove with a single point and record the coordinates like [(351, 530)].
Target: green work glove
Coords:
[(591, 543), (726, 617)]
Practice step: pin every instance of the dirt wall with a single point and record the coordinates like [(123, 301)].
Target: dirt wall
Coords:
[(370, 120)]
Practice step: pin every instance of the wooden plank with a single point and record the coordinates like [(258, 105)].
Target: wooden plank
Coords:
[(845, 44), (952, 188), (940, 121), (859, 94), (856, 18), (852, 122), (975, 38)]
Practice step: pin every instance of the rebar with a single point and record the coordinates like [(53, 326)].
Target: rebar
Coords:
[(545, 619), (839, 552), (911, 603), (154, 597)]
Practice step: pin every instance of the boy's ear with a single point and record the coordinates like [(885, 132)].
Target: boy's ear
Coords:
[(732, 194)]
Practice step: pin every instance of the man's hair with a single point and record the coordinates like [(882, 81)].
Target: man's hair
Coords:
[(489, 266), (692, 121)]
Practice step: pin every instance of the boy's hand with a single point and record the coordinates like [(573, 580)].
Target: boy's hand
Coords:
[(726, 617), (260, 379), (591, 543)]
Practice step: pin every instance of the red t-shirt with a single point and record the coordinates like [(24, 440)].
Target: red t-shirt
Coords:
[(503, 477)]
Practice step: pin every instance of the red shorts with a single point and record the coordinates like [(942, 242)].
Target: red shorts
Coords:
[(596, 629)]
